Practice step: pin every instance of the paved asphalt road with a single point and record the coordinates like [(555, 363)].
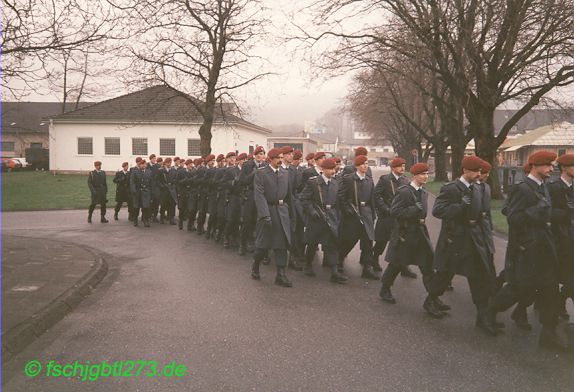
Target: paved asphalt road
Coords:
[(171, 296)]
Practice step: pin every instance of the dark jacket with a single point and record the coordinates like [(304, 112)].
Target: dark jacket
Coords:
[(122, 181), (231, 188), (356, 195), (410, 242), (98, 187), (320, 204), (487, 215), (563, 228), (141, 187), (272, 193), (385, 191), (462, 246)]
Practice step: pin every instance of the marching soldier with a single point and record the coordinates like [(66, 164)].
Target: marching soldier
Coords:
[(230, 185), (384, 193), (248, 210), (410, 242), (315, 169), (155, 165), (221, 200), (562, 195), (183, 193), (462, 247), (271, 192), (213, 196), (295, 254), (141, 189), (531, 265), (357, 202), (349, 169), (99, 191), (196, 181), (122, 181), (298, 234), (204, 191), (319, 199), (310, 159)]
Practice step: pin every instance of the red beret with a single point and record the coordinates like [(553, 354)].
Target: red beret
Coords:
[(138, 159), (176, 159), (542, 158), (97, 163), (359, 160), (297, 154), (167, 160), (398, 161), (319, 155), (230, 154), (471, 162), (152, 156), (310, 156), (242, 156), (159, 160), (328, 163), (187, 162), (210, 157), (197, 161), (125, 164), (249, 157), (361, 151), (419, 168), (337, 160), (220, 157), (258, 149), (274, 153), (485, 166), (526, 168), (286, 150), (566, 160), (142, 161)]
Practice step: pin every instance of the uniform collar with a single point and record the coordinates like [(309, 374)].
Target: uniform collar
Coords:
[(463, 180), (414, 185), (360, 176), (535, 179), (568, 184), (396, 177), (274, 170), (326, 179)]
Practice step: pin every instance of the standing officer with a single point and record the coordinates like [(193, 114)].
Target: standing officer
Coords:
[(248, 210), (531, 265), (319, 199), (410, 242), (562, 195), (99, 191), (357, 201), (122, 181), (384, 193), (352, 168), (271, 187), (462, 247), (141, 189)]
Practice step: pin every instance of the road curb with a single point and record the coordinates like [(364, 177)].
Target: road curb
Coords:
[(16, 339)]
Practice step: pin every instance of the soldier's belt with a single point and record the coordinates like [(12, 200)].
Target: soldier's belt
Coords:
[(278, 203)]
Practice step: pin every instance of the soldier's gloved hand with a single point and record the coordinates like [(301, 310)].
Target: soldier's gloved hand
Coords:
[(419, 205), (466, 199)]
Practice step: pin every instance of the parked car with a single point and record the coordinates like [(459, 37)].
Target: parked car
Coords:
[(22, 161)]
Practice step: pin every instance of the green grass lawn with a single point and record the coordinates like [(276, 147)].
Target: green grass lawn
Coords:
[(36, 190), (498, 220)]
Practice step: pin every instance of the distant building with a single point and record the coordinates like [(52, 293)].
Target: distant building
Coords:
[(555, 137), (158, 120), (24, 125), (299, 140)]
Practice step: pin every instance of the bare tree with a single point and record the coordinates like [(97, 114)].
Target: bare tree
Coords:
[(202, 48), (32, 30)]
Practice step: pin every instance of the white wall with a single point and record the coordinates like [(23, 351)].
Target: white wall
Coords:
[(64, 142)]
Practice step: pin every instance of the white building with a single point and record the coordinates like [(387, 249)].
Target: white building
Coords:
[(157, 120)]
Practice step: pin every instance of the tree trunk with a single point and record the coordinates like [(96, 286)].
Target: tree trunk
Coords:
[(440, 161), (205, 137), (482, 124)]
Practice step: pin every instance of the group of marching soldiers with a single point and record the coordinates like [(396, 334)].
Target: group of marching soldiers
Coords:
[(271, 202)]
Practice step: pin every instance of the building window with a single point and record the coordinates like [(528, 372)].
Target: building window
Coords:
[(85, 146), (166, 146), (139, 146), (193, 147), (35, 145), (112, 146), (251, 149), (8, 146)]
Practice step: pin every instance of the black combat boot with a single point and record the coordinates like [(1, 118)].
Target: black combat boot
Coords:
[(430, 307), (386, 295), (441, 305), (281, 278), (255, 270), (368, 273), (486, 319), (89, 218), (116, 215), (103, 219), (336, 277)]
